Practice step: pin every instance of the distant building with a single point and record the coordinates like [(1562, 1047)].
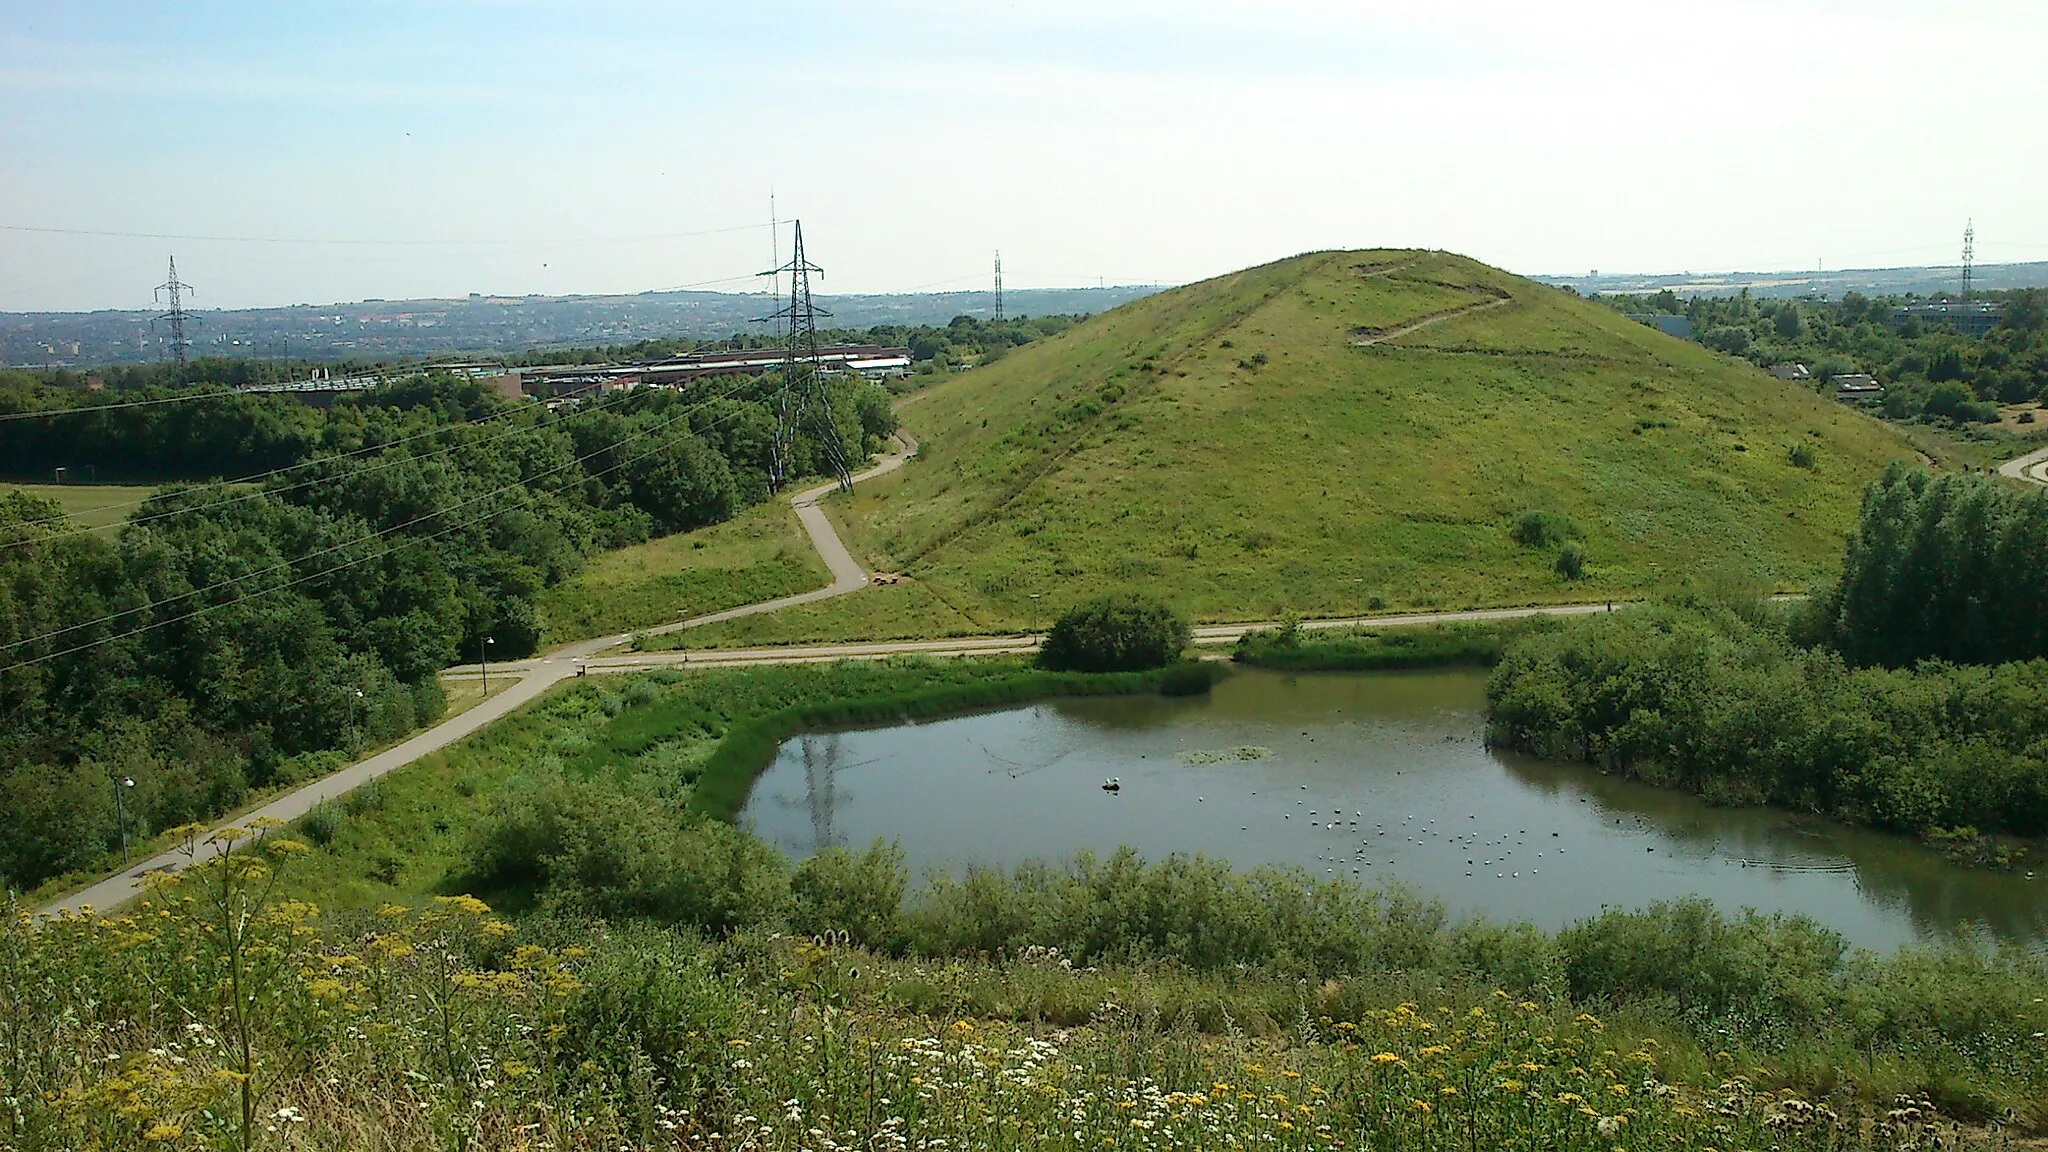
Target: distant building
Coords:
[(1856, 386), (1969, 317), (1669, 325), (1789, 372), (678, 372)]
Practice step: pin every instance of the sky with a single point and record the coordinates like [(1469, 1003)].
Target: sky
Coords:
[(312, 152)]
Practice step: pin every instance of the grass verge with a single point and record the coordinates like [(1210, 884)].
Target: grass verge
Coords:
[(761, 554)]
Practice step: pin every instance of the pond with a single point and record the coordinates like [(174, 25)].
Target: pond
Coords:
[(1375, 777)]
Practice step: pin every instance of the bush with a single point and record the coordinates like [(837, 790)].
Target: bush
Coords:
[(608, 854), (1712, 966), (1189, 678), (861, 895), (321, 825), (1803, 456), (1571, 562), (1126, 632), (1535, 529), (1703, 697)]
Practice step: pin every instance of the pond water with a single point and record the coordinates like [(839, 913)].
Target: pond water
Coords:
[(1375, 777)]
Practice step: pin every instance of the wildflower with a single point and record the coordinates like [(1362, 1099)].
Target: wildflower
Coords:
[(163, 1130), (1609, 1126), (1385, 1059), (1422, 1106)]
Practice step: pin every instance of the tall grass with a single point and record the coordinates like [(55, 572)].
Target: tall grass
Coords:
[(1294, 649)]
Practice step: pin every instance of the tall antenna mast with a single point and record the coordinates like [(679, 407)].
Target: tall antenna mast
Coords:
[(803, 401), (174, 292), (999, 285), (1969, 256)]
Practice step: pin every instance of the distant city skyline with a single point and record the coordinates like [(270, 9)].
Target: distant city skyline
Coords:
[(321, 153)]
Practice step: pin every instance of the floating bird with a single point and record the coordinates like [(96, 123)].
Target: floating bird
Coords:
[(1113, 784)]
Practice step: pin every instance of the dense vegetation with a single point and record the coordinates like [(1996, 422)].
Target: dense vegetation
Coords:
[(1930, 369), (1913, 696), (1723, 703), (1366, 648), (1952, 568), (1088, 994), (231, 1021), (231, 634), (1121, 632)]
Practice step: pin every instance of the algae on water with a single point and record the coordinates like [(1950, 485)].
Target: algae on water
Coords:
[(1224, 755)]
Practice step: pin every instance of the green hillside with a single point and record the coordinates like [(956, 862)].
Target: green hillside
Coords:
[(1279, 439)]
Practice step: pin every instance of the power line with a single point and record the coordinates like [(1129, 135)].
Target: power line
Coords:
[(375, 242), (261, 476), (380, 533), (198, 392), (292, 583)]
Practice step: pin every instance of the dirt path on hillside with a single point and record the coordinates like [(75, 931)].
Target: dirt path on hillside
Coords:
[(1363, 338)]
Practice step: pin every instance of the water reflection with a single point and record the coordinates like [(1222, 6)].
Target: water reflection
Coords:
[(1378, 778)]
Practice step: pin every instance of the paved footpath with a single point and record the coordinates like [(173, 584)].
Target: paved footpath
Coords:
[(2033, 467), (534, 678)]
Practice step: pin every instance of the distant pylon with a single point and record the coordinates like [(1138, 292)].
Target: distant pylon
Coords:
[(803, 400), (999, 285), (174, 291), (1969, 256)]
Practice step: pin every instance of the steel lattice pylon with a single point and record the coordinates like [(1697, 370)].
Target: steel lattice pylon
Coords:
[(176, 290), (803, 401)]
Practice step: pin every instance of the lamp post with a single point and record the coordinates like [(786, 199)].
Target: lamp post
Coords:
[(121, 815), (484, 663), (355, 731)]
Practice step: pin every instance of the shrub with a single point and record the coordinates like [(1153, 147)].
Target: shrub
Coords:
[(1571, 562), (1803, 456), (1189, 678), (1534, 529), (605, 853), (321, 825), (1126, 632), (861, 895)]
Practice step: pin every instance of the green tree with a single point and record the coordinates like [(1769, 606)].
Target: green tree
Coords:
[(1122, 632)]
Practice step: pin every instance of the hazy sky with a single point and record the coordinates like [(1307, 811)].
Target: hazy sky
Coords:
[(513, 147)]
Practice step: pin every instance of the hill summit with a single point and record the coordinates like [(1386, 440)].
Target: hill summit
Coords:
[(1348, 431)]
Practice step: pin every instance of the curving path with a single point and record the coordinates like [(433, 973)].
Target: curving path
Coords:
[(535, 677), (2032, 468)]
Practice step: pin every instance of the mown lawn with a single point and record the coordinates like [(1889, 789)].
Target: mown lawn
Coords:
[(91, 505)]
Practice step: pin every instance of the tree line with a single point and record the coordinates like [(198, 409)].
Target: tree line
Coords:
[(1930, 370), (231, 637), (1911, 696)]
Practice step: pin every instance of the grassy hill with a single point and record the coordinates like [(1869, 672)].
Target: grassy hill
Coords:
[(1288, 437)]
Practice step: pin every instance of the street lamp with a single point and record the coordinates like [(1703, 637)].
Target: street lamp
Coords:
[(355, 732), (483, 663), (121, 816)]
